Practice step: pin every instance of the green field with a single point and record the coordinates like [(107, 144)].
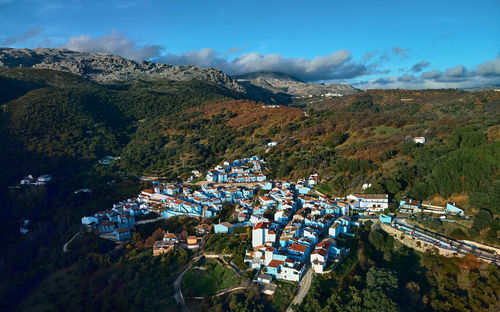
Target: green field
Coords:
[(209, 281)]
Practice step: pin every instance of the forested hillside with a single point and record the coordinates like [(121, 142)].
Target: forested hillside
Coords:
[(61, 124)]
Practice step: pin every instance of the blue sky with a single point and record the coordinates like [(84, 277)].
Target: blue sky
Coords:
[(371, 44)]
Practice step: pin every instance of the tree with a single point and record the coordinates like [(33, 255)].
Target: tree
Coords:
[(137, 237), (482, 219), (384, 280)]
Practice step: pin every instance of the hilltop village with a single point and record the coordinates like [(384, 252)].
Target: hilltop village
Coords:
[(293, 226)]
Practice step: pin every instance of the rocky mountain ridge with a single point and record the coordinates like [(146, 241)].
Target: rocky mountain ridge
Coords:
[(104, 67), (263, 86), (281, 83)]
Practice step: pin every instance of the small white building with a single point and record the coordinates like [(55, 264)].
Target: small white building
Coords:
[(319, 257), (420, 140), (44, 178), (260, 233), (370, 202)]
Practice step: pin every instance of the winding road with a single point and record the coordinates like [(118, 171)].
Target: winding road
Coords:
[(65, 247), (304, 285), (179, 298)]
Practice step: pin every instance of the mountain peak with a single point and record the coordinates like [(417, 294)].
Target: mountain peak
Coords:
[(276, 83), (267, 75)]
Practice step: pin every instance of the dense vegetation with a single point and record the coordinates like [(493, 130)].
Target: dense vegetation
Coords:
[(61, 124), (207, 281), (383, 275)]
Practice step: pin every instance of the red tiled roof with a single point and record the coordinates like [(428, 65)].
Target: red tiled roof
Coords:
[(297, 247), (275, 263), (320, 251), (262, 225), (170, 235)]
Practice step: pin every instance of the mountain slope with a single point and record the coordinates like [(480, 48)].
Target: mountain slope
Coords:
[(105, 67), (279, 83)]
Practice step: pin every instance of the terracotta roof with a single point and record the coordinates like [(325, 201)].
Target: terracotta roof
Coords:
[(371, 196), (297, 247), (275, 263), (203, 226), (323, 245), (320, 251), (262, 225), (264, 198), (170, 235), (148, 191), (227, 224), (412, 202)]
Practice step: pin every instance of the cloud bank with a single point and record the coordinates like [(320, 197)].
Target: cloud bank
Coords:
[(486, 73), (113, 43), (336, 66)]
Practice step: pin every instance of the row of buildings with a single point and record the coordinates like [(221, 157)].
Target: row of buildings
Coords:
[(409, 205), (303, 229), (170, 241), (246, 170), (119, 220)]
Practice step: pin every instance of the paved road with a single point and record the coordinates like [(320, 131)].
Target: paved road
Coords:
[(179, 298), (149, 220), (65, 247), (177, 289), (456, 245), (304, 285)]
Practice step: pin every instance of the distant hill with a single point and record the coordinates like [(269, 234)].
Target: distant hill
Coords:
[(104, 67), (488, 88), (268, 87), (285, 85)]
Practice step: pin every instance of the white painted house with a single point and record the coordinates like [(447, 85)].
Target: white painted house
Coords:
[(420, 140), (370, 202)]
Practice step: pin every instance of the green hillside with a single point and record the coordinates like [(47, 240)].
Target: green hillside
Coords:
[(61, 124)]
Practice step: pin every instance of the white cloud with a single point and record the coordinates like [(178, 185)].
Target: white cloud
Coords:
[(490, 67), (113, 43), (406, 78), (419, 66), (337, 65), (432, 74), (455, 72)]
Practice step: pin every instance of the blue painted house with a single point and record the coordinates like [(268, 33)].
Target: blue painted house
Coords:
[(222, 177), (224, 228), (122, 234), (385, 218), (410, 204), (453, 209)]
